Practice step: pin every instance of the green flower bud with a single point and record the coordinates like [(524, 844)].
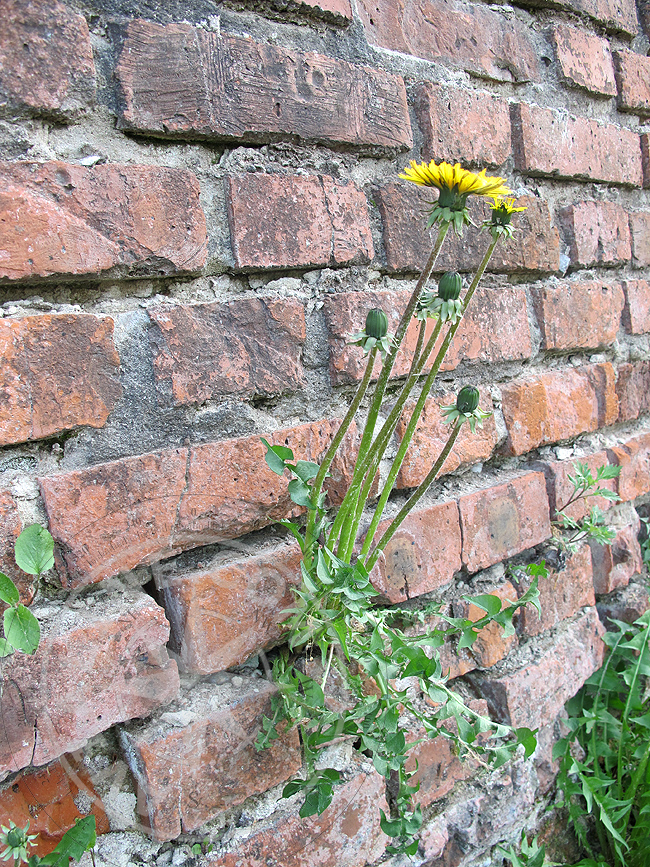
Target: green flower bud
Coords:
[(16, 838), (376, 323), (449, 286), (467, 399)]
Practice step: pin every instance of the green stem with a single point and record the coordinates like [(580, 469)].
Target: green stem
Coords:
[(412, 501), (389, 363), (415, 415), (333, 448)]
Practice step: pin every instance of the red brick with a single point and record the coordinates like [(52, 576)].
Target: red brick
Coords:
[(561, 595), (633, 457), (640, 232), (111, 517), (10, 528), (403, 208), (633, 390), (633, 79), (46, 60), (494, 329), (615, 564), (431, 434), (59, 218), (435, 765), (598, 233), (585, 60), (460, 125), (534, 695), (95, 666), (46, 799), (614, 14), (423, 554), (554, 144), (288, 221), (189, 772), (247, 347), (560, 489), (501, 521), (645, 158), (336, 8), (490, 646), (558, 405), (627, 605), (579, 314), (636, 315), (347, 833), (449, 32), (222, 615), (177, 80), (59, 372)]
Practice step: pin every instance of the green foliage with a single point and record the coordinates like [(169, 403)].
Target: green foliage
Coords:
[(570, 533), (530, 854), (77, 840), (605, 758), (34, 553)]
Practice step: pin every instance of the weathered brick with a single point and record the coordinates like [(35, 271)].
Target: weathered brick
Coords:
[(633, 390), (561, 595), (551, 143), (46, 60), (95, 666), (110, 517), (435, 765), (615, 564), (220, 616), (598, 233), (431, 434), (633, 80), (627, 604), (558, 405), (423, 554), (494, 329), (640, 232), (501, 521), (614, 14), (403, 208), (460, 125), (490, 646), (534, 695), (182, 81), (289, 221), (449, 32), (59, 372), (560, 489), (195, 762), (46, 799), (633, 457), (644, 15), (347, 833), (336, 8), (585, 60), (636, 314), (10, 527), (59, 218), (247, 347), (579, 314)]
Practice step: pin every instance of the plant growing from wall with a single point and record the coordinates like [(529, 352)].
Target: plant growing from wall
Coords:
[(77, 840)]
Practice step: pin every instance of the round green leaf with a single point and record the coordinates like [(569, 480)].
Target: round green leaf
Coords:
[(35, 550), (8, 590), (21, 629)]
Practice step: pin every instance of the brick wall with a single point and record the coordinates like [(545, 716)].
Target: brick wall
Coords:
[(198, 203)]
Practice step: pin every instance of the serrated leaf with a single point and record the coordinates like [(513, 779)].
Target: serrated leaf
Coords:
[(79, 839), (527, 739), (34, 550), (22, 630), (490, 603), (8, 590)]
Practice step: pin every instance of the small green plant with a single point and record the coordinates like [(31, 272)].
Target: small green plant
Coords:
[(569, 532), (34, 554), (77, 840), (530, 854), (605, 758)]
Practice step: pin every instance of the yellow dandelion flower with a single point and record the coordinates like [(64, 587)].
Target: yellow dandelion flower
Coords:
[(455, 185), (502, 211)]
